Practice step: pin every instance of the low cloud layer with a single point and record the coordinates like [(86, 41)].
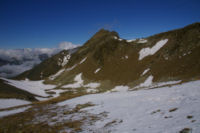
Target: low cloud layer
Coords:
[(13, 70), (16, 61), (66, 45)]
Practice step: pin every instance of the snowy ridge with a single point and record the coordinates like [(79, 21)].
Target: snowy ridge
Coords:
[(151, 51)]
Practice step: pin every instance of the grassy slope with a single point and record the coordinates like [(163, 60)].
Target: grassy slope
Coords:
[(105, 52)]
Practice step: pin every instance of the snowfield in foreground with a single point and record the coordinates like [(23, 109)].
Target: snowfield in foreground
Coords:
[(161, 110)]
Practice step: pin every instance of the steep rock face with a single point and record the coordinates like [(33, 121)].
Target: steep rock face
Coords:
[(172, 55)]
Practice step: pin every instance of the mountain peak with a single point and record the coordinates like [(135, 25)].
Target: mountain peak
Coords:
[(103, 33)]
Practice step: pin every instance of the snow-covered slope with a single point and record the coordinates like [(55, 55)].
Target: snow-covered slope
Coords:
[(161, 110)]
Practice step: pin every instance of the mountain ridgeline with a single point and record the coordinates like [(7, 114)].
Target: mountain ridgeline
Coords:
[(110, 60)]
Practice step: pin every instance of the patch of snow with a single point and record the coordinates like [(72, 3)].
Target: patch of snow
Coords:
[(34, 87), (147, 82), (41, 75), (144, 111), (78, 79), (126, 57), (78, 82), (91, 90), (166, 58), (52, 77), (120, 88), (151, 51), (7, 103), (66, 60), (92, 85), (41, 98), (97, 70), (14, 111), (57, 92), (132, 40), (75, 85), (142, 41), (115, 37), (145, 71), (71, 68), (83, 60)]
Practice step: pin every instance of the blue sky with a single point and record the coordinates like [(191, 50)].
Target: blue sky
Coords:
[(45, 23)]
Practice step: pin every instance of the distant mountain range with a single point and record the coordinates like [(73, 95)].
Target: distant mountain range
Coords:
[(16, 61)]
